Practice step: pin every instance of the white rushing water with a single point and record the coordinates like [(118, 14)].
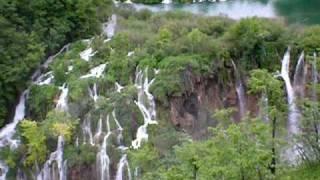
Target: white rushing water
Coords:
[(109, 27), (7, 132), (294, 114), (4, 169), (123, 164), (45, 79), (96, 72), (118, 87), (62, 103), (93, 93), (146, 105), (314, 78), (166, 1), (87, 131), (55, 168), (99, 130), (292, 153), (299, 77), (240, 91), (103, 160), (87, 54)]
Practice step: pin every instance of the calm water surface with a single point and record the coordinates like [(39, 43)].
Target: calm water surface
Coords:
[(294, 11)]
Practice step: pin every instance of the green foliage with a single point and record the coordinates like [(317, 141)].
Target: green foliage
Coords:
[(310, 136), (59, 123), (174, 76), (85, 154), (239, 151), (264, 83), (223, 116), (41, 100), (35, 140), (35, 29), (310, 40), (301, 172), (257, 42)]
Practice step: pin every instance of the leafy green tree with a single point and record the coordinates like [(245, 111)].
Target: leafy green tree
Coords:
[(266, 85), (59, 123), (35, 140)]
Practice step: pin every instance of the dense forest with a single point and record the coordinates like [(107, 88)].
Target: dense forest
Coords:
[(103, 91)]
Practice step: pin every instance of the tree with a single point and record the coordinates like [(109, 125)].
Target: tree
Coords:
[(266, 85), (35, 140)]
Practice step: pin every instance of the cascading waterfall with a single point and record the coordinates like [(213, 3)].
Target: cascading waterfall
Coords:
[(118, 87), (55, 168), (109, 27), (62, 103), (87, 54), (45, 79), (96, 72), (99, 130), (146, 104), (292, 153), (93, 93), (166, 1), (122, 164), (293, 110), (299, 77), (240, 91), (314, 78), (4, 170), (103, 160), (87, 131), (9, 130)]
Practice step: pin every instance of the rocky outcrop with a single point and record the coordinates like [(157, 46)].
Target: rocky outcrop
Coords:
[(192, 111)]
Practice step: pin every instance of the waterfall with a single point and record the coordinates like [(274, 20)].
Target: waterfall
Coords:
[(240, 91), (314, 78), (122, 164), (9, 130), (130, 53), (119, 137), (103, 160), (109, 27), (4, 170), (99, 130), (294, 114), (45, 79), (292, 153), (62, 103), (146, 105), (53, 171), (299, 77), (87, 54), (166, 1), (86, 131), (118, 87), (93, 93), (95, 72)]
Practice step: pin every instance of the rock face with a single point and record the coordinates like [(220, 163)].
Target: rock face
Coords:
[(82, 172), (192, 112)]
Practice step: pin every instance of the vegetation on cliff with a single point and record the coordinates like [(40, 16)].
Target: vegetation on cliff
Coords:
[(183, 47)]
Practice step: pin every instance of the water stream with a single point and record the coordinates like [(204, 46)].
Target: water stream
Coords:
[(146, 105), (55, 167), (240, 91)]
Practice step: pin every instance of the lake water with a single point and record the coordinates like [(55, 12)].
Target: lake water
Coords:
[(293, 11)]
